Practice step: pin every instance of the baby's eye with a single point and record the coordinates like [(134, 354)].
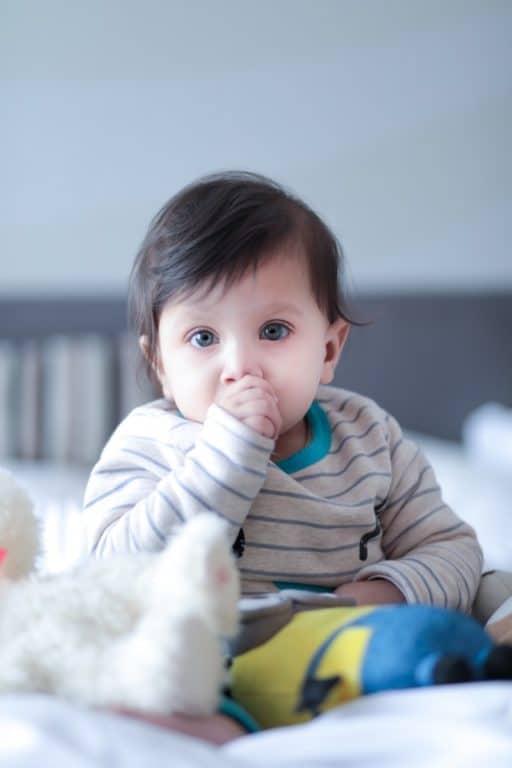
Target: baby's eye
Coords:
[(202, 338), (274, 332)]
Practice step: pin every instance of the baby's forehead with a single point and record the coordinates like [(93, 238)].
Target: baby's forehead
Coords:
[(274, 276), (288, 260)]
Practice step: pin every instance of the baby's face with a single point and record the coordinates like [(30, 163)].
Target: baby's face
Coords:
[(267, 324)]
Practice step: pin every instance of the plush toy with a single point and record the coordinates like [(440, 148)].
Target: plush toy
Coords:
[(324, 657), (136, 631)]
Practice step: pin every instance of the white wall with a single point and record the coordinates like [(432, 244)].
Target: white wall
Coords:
[(392, 118)]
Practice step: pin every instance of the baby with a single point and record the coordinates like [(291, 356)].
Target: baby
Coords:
[(236, 297)]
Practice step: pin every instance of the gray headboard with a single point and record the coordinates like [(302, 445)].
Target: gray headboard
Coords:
[(431, 358), (428, 358)]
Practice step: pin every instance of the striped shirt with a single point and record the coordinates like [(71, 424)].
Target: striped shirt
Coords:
[(359, 501)]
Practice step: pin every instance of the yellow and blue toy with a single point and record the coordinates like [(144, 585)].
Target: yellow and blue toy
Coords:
[(327, 656)]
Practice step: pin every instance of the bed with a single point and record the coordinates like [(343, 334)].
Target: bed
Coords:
[(465, 726), (441, 363)]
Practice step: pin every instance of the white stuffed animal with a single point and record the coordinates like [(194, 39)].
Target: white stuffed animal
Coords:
[(138, 631)]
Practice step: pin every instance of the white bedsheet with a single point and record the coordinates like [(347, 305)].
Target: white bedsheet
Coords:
[(458, 726)]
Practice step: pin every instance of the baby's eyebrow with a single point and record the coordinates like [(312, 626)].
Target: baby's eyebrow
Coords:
[(284, 308), (195, 309)]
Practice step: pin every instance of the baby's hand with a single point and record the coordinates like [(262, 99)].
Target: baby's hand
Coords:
[(252, 401)]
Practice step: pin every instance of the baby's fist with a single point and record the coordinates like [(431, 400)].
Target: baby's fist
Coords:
[(252, 401)]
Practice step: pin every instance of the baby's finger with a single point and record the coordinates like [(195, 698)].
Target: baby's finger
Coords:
[(247, 384), (262, 425), (240, 399), (261, 408), (259, 401)]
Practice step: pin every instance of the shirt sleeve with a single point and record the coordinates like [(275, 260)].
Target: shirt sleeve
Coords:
[(144, 485), (432, 556)]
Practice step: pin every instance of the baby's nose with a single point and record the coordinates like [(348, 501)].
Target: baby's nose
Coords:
[(238, 363), (231, 374)]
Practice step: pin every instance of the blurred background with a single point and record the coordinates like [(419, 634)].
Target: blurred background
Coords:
[(391, 118)]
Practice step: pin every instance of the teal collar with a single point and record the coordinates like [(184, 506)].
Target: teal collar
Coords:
[(303, 587), (317, 447)]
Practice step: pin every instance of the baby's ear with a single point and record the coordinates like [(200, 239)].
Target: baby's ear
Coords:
[(153, 362), (144, 346), (335, 338)]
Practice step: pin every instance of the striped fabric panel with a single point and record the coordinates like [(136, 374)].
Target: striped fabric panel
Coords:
[(29, 390), (6, 376), (61, 397)]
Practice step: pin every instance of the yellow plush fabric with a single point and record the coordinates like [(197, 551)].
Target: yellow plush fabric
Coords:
[(268, 679)]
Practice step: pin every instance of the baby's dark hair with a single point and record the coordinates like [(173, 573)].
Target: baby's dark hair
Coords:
[(218, 228)]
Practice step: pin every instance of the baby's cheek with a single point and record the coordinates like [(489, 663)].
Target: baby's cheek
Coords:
[(295, 404), (191, 401)]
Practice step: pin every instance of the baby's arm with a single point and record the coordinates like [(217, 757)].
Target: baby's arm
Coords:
[(158, 470), (432, 556)]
